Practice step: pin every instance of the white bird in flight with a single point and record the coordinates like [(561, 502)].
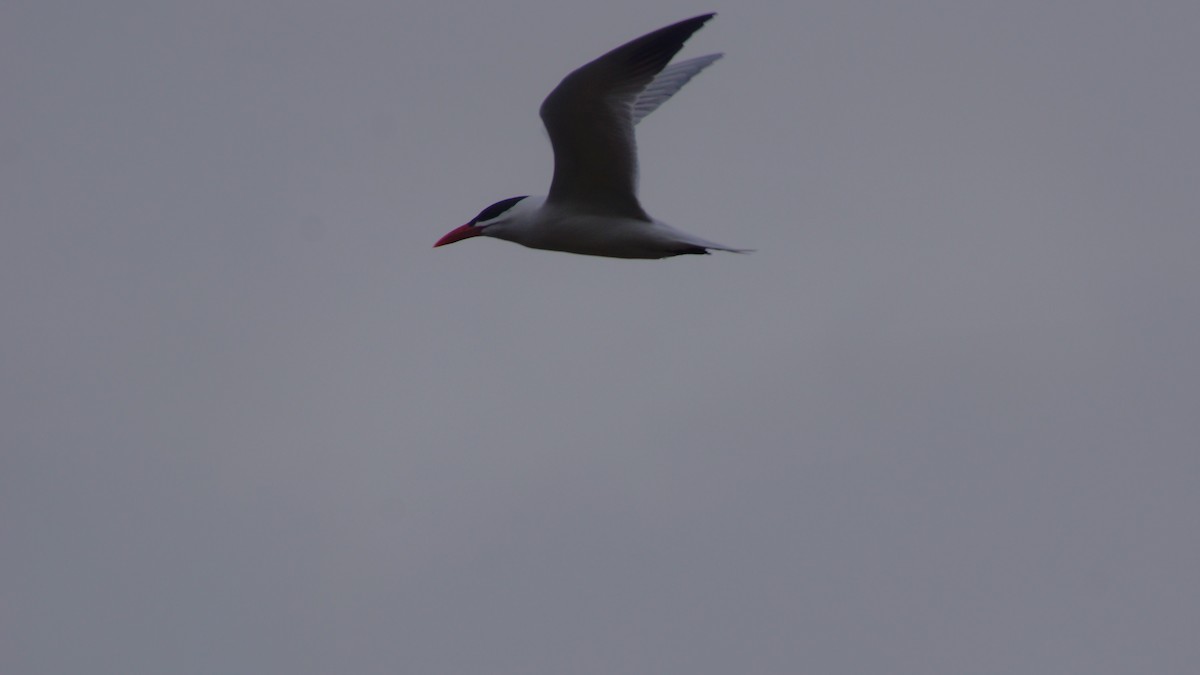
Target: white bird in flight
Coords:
[(592, 208)]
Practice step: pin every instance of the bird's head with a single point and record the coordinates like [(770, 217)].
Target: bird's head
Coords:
[(495, 215)]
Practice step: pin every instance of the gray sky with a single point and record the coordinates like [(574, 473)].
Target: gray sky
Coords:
[(945, 420)]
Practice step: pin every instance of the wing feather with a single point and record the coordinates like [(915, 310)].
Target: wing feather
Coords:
[(667, 83)]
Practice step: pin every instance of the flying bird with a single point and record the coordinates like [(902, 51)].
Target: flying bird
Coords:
[(592, 207)]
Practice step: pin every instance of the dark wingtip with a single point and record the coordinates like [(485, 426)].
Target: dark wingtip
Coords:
[(654, 50), (693, 23)]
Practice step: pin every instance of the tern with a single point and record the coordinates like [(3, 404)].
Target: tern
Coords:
[(592, 207)]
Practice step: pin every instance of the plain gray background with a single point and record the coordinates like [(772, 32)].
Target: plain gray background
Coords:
[(945, 420)]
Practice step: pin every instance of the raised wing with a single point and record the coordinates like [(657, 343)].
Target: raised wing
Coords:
[(665, 84), (590, 116)]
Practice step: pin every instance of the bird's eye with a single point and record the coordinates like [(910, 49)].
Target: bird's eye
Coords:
[(496, 210)]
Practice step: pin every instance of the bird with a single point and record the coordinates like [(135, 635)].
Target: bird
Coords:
[(592, 206)]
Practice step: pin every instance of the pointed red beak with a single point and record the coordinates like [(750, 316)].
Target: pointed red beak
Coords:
[(458, 234)]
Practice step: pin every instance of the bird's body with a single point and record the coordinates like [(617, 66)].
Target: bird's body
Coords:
[(536, 223), (592, 207)]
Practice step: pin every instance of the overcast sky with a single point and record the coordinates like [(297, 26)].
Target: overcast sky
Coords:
[(943, 421)]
